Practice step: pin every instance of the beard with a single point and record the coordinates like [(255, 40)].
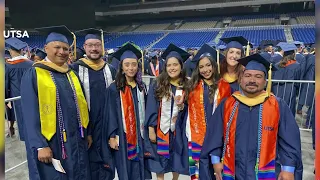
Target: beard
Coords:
[(251, 91), (94, 58)]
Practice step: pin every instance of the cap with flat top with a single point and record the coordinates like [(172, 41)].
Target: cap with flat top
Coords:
[(174, 51), (56, 33), (16, 44), (236, 42), (288, 48), (90, 33), (127, 51), (41, 53)]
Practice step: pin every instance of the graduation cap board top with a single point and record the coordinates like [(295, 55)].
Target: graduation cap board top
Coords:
[(40, 53), (128, 51), (287, 47), (91, 33), (174, 51), (207, 50), (15, 43), (236, 42), (56, 33)]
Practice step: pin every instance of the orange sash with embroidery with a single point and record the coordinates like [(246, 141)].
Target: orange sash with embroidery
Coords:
[(130, 123), (267, 131), (16, 61), (197, 116)]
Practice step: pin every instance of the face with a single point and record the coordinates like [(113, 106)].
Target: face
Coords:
[(233, 55), (37, 58), (93, 48), (205, 68), (130, 67), (253, 81), (173, 67), (57, 52)]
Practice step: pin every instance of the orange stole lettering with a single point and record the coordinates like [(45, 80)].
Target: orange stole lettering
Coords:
[(270, 123), (130, 119)]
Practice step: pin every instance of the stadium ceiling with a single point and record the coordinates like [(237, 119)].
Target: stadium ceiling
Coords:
[(100, 12)]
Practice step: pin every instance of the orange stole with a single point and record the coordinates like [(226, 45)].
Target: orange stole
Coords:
[(16, 61), (269, 132), (131, 125), (162, 139), (290, 62)]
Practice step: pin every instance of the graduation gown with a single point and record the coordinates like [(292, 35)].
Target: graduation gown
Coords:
[(157, 163), (14, 71), (181, 139), (76, 164), (126, 169), (115, 63), (189, 66), (286, 90), (149, 70), (303, 63), (307, 89), (276, 58), (246, 140), (96, 114)]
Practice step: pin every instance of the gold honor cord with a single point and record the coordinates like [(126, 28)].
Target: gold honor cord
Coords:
[(102, 40)]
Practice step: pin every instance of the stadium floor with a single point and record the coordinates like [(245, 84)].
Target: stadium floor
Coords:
[(15, 154)]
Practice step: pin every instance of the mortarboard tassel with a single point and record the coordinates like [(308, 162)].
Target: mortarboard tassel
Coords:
[(102, 40), (74, 45), (248, 49), (142, 61), (269, 80), (218, 60)]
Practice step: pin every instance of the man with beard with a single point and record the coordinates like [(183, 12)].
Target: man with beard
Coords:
[(96, 76), (253, 134)]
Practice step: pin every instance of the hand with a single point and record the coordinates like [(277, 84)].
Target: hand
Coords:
[(45, 155), (179, 99), (286, 176), (174, 119), (217, 170), (9, 105), (152, 135), (89, 138), (113, 143)]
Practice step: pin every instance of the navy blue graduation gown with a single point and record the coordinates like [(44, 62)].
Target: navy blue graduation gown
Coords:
[(96, 116), (126, 169), (288, 140), (181, 139), (158, 163), (307, 89), (302, 61), (286, 90), (76, 164), (148, 68), (13, 76), (189, 65), (234, 86)]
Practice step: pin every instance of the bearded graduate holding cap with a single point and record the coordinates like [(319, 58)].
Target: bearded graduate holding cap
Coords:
[(254, 134)]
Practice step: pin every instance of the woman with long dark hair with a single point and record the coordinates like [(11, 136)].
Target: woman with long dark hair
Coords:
[(230, 69), (165, 106), (125, 110), (288, 69), (205, 91)]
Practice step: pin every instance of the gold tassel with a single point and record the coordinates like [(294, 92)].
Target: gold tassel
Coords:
[(248, 49), (142, 61), (64, 136), (102, 40), (218, 60), (74, 46), (269, 80)]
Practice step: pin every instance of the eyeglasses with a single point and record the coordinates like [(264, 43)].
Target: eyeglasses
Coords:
[(94, 45)]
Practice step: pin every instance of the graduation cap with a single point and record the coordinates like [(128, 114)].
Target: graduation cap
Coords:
[(153, 54), (212, 44), (287, 47), (16, 44), (222, 47), (91, 33), (56, 33), (237, 42), (174, 51), (7, 54), (265, 43), (41, 53), (260, 63), (206, 51), (128, 51)]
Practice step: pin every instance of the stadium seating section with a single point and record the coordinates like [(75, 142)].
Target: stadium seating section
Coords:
[(193, 32)]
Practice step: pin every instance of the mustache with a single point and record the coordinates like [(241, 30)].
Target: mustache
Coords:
[(251, 84)]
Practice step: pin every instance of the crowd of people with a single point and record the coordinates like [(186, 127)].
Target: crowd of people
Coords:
[(209, 113)]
